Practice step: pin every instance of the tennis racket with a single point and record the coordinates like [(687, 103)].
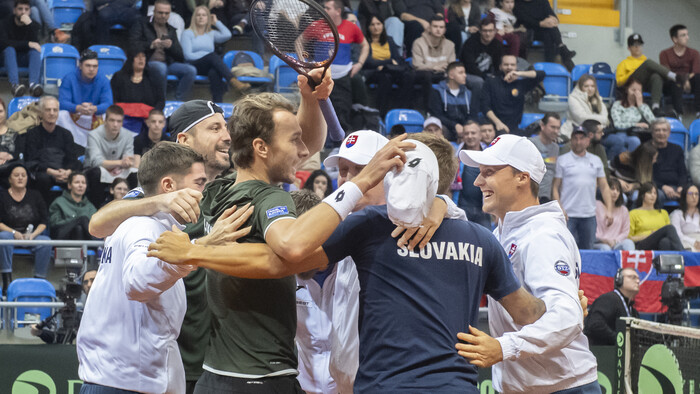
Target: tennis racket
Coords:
[(301, 34)]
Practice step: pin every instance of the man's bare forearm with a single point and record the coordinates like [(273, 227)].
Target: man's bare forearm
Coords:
[(523, 307), (105, 221), (313, 124)]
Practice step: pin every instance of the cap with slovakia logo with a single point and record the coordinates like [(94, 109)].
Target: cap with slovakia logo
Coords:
[(508, 149), (358, 147)]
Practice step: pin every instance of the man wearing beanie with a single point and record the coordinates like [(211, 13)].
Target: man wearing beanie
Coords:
[(550, 355)]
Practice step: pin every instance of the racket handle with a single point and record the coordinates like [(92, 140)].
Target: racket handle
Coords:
[(335, 131)]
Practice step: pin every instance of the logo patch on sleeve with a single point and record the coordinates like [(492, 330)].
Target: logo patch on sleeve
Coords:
[(512, 250), (133, 193), (276, 211), (562, 267)]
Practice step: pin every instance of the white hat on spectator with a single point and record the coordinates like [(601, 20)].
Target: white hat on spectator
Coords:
[(508, 149), (432, 120), (358, 147), (410, 192)]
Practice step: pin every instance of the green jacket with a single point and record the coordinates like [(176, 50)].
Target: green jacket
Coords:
[(64, 209)]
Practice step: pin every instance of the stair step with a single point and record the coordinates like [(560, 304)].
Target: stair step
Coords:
[(589, 16)]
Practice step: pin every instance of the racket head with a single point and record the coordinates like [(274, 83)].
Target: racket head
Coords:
[(298, 27)]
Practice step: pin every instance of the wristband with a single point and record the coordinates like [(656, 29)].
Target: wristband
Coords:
[(344, 199)]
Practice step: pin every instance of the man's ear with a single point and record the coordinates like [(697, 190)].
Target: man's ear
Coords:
[(260, 148), (182, 138), (168, 184)]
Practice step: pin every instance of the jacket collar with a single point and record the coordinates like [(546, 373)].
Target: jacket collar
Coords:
[(515, 219)]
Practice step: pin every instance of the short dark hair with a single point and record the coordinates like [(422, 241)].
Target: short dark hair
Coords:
[(614, 183), (163, 2), (590, 125), (338, 4), (488, 20), (437, 18), (165, 158), (487, 122), (675, 29), (397, 130), (454, 65), (88, 54), (550, 115), (114, 110), (309, 184), (155, 111), (304, 199), (23, 2), (73, 174), (644, 189), (117, 181)]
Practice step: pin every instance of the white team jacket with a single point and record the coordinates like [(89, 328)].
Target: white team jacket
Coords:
[(132, 318), (551, 354)]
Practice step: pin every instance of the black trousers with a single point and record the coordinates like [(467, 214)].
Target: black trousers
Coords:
[(76, 229), (426, 79), (212, 383), (341, 97), (97, 191), (411, 31), (212, 65), (385, 80), (43, 183), (551, 39), (665, 238)]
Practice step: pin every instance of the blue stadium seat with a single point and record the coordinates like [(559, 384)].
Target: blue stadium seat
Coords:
[(557, 81), (411, 119), (170, 107), (257, 61), (110, 58), (57, 60), (285, 76), (17, 103), (694, 132), (577, 72), (228, 109), (530, 118), (66, 12), (30, 289), (679, 134), (606, 86)]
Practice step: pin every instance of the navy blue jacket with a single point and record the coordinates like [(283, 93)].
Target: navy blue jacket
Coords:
[(507, 100), (451, 110)]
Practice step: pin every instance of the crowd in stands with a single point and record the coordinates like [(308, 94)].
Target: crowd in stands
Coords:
[(461, 63)]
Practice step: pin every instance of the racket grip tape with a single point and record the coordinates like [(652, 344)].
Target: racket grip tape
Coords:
[(335, 131)]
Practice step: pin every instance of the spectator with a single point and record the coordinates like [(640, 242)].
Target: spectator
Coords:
[(585, 103), (198, 47), (595, 133), (112, 12), (547, 143), (152, 135), (396, 130), (574, 186), (22, 217), (48, 149), (482, 53), (117, 190), (382, 9), (19, 36), (503, 96), (650, 227), (615, 235), (488, 132), (670, 173), (451, 101), (164, 51), (320, 183), (70, 213), (600, 326), (506, 22), (416, 16), (7, 136), (432, 125), (629, 116), (42, 15), (694, 164), (635, 168), (538, 16), (649, 73), (432, 52), (463, 19), (385, 67), (179, 12), (83, 94), (686, 220), (109, 154), (683, 61), (470, 197), (136, 83), (343, 68)]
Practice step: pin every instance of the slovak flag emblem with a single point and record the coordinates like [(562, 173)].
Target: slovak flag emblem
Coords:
[(562, 268), (352, 140), (512, 249), (494, 141)]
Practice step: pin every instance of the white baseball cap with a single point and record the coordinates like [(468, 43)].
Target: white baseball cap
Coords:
[(508, 149), (432, 120), (358, 147), (409, 193)]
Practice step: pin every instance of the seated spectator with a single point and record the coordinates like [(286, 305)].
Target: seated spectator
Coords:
[(470, 197), (385, 67), (42, 15), (481, 54), (198, 47), (649, 73), (113, 12), (416, 16), (117, 190), (48, 149), (506, 22), (397, 130), (686, 220), (538, 17), (382, 9), (585, 103), (595, 133), (19, 36), (451, 101), (7, 136), (488, 132), (613, 236), (136, 83), (432, 52), (155, 124), (670, 173), (650, 227), (22, 217), (320, 183), (109, 154), (463, 19), (630, 115), (70, 213), (164, 54), (83, 95), (180, 11), (547, 143), (503, 96), (433, 125), (683, 61), (634, 168)]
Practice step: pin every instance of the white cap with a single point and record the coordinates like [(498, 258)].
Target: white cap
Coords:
[(358, 147), (508, 149), (410, 193), (432, 120)]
